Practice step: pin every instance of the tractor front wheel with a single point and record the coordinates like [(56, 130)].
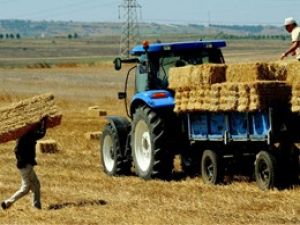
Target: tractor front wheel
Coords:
[(113, 162)]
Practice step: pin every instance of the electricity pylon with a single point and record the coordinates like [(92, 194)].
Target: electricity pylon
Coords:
[(130, 30)]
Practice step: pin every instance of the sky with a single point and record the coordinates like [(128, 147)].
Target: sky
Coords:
[(225, 12)]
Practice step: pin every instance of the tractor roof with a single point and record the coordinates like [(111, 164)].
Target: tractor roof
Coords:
[(178, 46)]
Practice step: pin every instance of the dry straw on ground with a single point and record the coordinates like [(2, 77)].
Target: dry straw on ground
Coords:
[(17, 119)]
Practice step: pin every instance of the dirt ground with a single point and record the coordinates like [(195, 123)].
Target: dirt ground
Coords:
[(75, 189)]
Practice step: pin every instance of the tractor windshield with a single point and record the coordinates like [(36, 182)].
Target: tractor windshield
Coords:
[(162, 63)]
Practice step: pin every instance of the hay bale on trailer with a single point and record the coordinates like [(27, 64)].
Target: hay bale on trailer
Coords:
[(295, 99), (189, 77), (277, 70), (264, 94), (18, 118), (247, 72), (180, 78), (207, 74), (293, 73)]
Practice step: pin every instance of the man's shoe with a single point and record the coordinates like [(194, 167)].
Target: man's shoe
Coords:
[(3, 205)]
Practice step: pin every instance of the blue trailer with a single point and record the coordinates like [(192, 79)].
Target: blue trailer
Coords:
[(209, 144)]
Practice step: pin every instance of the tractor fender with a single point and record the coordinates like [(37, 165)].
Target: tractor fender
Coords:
[(122, 127), (155, 99)]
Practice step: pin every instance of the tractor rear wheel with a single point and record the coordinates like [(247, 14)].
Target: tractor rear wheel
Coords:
[(113, 162), (211, 167), (149, 145)]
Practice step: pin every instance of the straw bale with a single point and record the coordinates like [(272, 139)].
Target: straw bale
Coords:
[(244, 97), (214, 98), (47, 146), (293, 73), (96, 111), (189, 77), (180, 77), (208, 74), (247, 72), (277, 70), (96, 135), (18, 118), (295, 99), (192, 101), (267, 94)]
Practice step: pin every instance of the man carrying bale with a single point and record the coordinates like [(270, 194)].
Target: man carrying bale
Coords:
[(292, 27), (25, 155)]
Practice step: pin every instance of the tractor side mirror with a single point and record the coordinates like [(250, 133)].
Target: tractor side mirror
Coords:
[(118, 63), (122, 95)]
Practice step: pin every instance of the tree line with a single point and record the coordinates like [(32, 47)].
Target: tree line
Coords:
[(10, 36)]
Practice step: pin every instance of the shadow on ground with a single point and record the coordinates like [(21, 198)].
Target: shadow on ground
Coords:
[(81, 203)]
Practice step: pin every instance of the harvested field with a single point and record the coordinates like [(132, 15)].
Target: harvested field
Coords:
[(75, 189)]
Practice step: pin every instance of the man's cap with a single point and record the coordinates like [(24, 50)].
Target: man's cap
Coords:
[(289, 21)]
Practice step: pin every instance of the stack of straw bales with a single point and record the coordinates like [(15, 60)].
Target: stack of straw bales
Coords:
[(19, 118), (237, 87)]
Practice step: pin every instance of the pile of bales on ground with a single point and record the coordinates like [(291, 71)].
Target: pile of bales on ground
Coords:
[(235, 87)]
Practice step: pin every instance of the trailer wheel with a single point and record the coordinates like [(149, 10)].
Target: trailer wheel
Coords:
[(265, 170), (211, 168), (149, 145), (112, 159)]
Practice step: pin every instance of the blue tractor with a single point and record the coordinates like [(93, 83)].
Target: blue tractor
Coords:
[(210, 144)]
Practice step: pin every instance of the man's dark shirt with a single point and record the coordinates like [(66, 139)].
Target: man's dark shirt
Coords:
[(25, 147)]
